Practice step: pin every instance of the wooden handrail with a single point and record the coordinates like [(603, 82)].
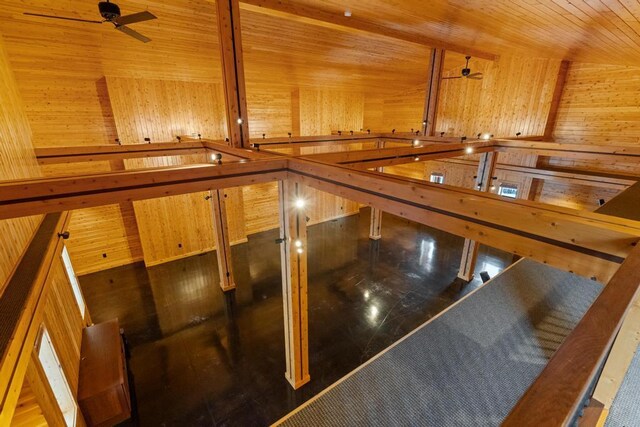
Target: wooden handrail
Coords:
[(557, 394)]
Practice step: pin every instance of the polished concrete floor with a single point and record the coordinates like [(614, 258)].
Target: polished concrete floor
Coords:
[(201, 357)]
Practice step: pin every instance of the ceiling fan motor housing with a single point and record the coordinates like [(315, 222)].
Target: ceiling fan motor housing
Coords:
[(109, 11), (466, 71)]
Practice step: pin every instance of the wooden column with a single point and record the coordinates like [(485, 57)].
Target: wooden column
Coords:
[(293, 254), (223, 245), (295, 119), (484, 180), (555, 100), (375, 225), (228, 13), (434, 77)]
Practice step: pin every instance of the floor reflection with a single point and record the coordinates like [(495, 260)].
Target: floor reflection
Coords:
[(202, 357)]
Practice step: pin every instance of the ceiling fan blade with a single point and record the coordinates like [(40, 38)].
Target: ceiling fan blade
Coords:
[(136, 35), (470, 76), (476, 77), (62, 17), (135, 17), (456, 77)]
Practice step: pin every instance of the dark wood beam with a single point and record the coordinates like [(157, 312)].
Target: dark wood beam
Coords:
[(555, 100), (434, 78), (228, 13)]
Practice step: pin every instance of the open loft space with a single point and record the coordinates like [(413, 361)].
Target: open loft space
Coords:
[(319, 213)]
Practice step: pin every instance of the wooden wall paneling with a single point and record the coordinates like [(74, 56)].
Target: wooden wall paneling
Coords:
[(28, 411), (599, 105), (321, 112), (104, 237), (260, 202), (52, 303), (17, 161), (64, 322), (270, 109), (177, 226), (514, 96), (65, 93)]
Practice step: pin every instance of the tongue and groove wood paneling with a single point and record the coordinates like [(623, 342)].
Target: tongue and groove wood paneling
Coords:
[(17, 161), (600, 104)]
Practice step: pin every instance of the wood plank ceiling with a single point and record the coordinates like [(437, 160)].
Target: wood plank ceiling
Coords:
[(185, 47), (599, 31)]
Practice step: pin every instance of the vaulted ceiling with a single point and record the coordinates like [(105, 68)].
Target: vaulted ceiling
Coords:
[(288, 49), (601, 31)]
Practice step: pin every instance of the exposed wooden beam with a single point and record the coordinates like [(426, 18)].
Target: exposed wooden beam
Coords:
[(579, 177), (221, 235), (228, 13), (484, 179), (91, 153), (333, 20), (586, 243), (375, 224), (627, 153), (434, 78), (424, 150), (293, 255), (555, 100), (23, 198), (555, 397)]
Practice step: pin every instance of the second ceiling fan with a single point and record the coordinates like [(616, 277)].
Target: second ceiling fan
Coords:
[(466, 73)]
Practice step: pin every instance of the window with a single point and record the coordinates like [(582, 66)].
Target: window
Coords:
[(66, 260), (437, 178), (57, 380), (508, 190)]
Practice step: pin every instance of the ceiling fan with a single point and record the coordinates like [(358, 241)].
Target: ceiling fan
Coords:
[(111, 13), (466, 73)]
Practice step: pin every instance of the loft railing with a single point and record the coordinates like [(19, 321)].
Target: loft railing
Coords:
[(558, 395)]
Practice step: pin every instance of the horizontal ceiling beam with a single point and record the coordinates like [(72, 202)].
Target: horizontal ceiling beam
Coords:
[(583, 242), (84, 153), (338, 21), (24, 198), (578, 177), (573, 151), (380, 157)]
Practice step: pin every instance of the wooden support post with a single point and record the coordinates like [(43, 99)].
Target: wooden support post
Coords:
[(293, 253), (221, 234), (375, 226), (295, 119), (228, 12), (484, 180), (436, 62), (555, 100)]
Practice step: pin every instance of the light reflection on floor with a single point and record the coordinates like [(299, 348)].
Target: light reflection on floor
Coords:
[(203, 358)]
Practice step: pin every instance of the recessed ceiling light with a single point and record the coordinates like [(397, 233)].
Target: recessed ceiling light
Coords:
[(347, 13)]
